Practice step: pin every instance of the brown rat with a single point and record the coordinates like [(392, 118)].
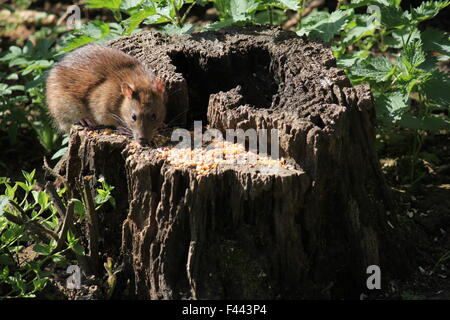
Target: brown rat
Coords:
[(97, 85)]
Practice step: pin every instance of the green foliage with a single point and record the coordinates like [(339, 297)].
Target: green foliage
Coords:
[(104, 194), (407, 295), (324, 26), (406, 83), (25, 277), (23, 105), (386, 49)]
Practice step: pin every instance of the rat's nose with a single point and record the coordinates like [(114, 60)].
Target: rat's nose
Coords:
[(143, 141)]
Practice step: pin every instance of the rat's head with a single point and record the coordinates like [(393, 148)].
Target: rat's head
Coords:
[(143, 108)]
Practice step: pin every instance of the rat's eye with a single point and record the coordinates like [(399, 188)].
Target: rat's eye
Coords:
[(133, 116), (153, 117)]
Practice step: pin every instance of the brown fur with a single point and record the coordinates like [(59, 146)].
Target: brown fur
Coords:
[(94, 82)]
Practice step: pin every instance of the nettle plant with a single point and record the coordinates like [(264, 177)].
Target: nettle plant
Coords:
[(170, 17), (386, 49)]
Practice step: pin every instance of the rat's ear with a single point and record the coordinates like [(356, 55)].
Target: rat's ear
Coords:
[(127, 89), (159, 85)]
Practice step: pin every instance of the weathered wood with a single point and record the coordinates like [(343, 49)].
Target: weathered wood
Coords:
[(236, 232)]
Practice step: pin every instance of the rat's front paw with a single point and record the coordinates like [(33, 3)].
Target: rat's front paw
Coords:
[(87, 123)]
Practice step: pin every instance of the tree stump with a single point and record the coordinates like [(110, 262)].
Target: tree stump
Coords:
[(238, 233)]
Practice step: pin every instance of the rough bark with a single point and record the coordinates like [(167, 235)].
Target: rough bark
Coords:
[(238, 233)]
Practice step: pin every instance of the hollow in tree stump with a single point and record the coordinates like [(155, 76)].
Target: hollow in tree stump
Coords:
[(309, 231)]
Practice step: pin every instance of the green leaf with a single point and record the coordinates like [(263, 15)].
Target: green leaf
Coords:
[(240, 9), (437, 89), (327, 28), (376, 69), (107, 4), (79, 208), (6, 260), (392, 105), (401, 37), (392, 17), (5, 272), (57, 258), (78, 249), (24, 186), (3, 203), (428, 10), (95, 29), (413, 55), (291, 4), (218, 25), (136, 18), (59, 153), (39, 283), (436, 41), (431, 123), (126, 5), (17, 88), (10, 191), (314, 17), (172, 29), (12, 76), (29, 176), (363, 3), (41, 198), (42, 248), (77, 42)]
